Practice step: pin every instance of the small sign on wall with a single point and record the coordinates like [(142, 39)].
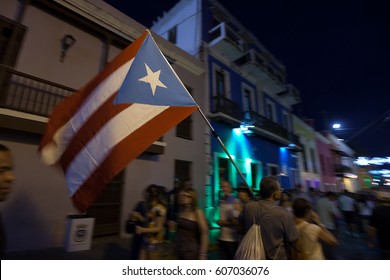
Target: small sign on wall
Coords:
[(79, 231)]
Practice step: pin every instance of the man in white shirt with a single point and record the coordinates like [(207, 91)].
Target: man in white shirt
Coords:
[(347, 207), (328, 213), (228, 220)]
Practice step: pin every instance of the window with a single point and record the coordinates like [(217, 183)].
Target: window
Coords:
[(313, 159), (107, 208), (248, 101), (273, 169), (286, 121), (184, 128), (220, 82), (256, 175), (183, 170), (305, 167), (223, 169), (11, 37), (172, 35), (270, 110), (220, 93)]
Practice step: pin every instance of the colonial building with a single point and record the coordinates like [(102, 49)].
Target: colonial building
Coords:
[(249, 101), (309, 158), (47, 50), (327, 174), (346, 172)]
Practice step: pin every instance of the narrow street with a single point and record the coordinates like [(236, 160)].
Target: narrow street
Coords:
[(114, 248)]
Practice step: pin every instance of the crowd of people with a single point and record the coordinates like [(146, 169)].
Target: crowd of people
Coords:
[(160, 214), (294, 224)]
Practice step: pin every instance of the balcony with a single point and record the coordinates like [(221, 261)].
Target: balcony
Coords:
[(26, 102), (225, 41), (227, 111), (344, 171), (25, 93), (291, 95), (259, 68), (266, 125)]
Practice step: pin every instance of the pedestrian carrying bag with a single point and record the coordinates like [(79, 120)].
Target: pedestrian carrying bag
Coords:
[(251, 246)]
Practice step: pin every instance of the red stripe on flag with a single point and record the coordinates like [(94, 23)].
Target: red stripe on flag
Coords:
[(100, 117), (64, 111), (134, 145)]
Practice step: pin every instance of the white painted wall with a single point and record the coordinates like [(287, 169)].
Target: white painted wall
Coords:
[(35, 214)]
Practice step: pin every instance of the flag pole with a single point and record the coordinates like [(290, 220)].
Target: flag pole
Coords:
[(226, 151)]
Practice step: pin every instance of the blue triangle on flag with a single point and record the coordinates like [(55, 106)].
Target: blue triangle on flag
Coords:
[(151, 80)]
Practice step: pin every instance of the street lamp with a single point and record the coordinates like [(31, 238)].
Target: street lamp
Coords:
[(336, 126)]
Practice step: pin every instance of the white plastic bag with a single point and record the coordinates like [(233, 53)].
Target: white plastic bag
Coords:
[(251, 246)]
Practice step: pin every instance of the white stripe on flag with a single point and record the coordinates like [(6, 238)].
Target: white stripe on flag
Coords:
[(99, 147), (52, 152)]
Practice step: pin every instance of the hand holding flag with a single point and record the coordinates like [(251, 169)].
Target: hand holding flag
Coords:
[(97, 131)]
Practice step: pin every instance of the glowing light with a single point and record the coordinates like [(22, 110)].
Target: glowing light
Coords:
[(239, 145), (237, 131), (336, 126), (247, 129), (365, 161), (350, 175), (382, 172)]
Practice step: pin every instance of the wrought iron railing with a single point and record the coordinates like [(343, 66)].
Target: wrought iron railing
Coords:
[(224, 105), (268, 125), (22, 92)]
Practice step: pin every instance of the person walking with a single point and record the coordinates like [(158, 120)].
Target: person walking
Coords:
[(348, 209), (277, 225), (379, 225), (328, 214), (192, 233), (153, 230), (286, 201), (311, 232), (7, 177), (137, 218), (228, 215)]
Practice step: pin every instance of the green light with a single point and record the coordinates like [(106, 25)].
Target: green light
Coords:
[(237, 131)]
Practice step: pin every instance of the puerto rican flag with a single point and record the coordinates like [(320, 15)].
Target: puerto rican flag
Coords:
[(97, 131)]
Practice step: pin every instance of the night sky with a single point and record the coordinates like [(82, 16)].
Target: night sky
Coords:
[(336, 53)]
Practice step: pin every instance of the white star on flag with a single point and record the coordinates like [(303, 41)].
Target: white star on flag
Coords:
[(153, 79)]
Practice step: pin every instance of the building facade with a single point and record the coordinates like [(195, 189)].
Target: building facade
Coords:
[(249, 101), (47, 50), (324, 150), (308, 160), (346, 172)]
